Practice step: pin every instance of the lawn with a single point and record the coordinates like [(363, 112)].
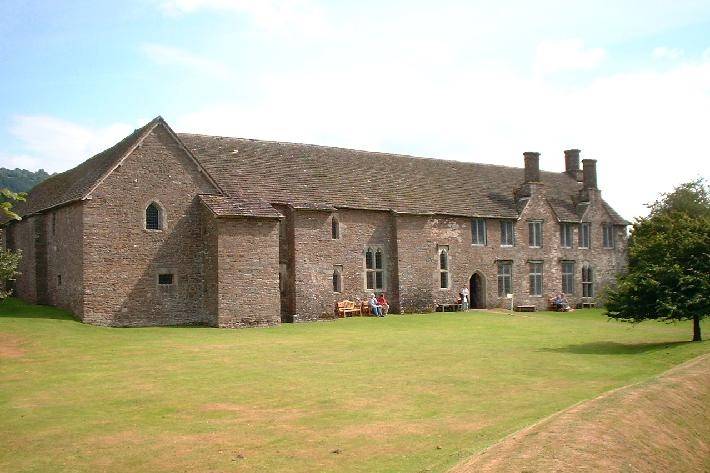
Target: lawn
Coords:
[(406, 393)]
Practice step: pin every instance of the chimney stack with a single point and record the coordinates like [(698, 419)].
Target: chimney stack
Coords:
[(532, 166), (572, 164), (590, 173)]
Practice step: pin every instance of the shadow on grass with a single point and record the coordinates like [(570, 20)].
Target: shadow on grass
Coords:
[(15, 308), (614, 348)]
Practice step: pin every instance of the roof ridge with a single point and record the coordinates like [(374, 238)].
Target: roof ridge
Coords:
[(378, 153)]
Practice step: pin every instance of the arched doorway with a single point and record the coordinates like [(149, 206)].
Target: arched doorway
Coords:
[(477, 286)]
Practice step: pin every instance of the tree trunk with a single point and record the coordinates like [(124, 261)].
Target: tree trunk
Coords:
[(696, 329)]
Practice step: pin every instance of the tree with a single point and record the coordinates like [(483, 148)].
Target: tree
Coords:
[(9, 260), (668, 276)]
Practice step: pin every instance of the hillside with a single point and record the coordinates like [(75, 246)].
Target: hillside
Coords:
[(21, 180)]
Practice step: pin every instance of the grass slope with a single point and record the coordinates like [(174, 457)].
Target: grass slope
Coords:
[(405, 393), (657, 425)]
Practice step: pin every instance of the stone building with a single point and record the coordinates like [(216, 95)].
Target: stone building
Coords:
[(169, 229)]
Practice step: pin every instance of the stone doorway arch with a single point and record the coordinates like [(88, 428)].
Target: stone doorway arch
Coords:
[(477, 288)]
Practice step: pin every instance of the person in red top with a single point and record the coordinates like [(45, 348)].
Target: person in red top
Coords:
[(382, 300)]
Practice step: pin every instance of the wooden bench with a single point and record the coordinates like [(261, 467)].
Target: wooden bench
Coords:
[(346, 308), (448, 307), (524, 308)]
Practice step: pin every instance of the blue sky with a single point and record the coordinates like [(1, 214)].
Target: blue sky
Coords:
[(627, 82)]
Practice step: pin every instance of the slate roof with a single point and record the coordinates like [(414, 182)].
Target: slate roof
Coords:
[(311, 176), (254, 174), (225, 206)]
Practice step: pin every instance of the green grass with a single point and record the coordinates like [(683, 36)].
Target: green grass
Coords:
[(405, 393)]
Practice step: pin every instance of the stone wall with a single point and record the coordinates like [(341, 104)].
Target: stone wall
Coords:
[(21, 236), (63, 228), (248, 271), (316, 253), (122, 259)]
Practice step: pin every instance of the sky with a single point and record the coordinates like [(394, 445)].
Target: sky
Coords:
[(627, 82)]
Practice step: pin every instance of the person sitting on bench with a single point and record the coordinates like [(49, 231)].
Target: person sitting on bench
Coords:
[(561, 303), (375, 308), (382, 302)]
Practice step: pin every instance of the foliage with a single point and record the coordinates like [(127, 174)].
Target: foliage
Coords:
[(9, 261), (21, 180), (7, 199), (669, 261)]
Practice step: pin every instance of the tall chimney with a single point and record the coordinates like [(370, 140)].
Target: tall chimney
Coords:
[(572, 163), (590, 173), (532, 166)]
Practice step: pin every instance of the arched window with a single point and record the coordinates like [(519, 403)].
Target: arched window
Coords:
[(587, 281), (444, 267), (153, 217), (335, 228), (374, 269)]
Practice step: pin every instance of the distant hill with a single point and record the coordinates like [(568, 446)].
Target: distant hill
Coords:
[(21, 180)]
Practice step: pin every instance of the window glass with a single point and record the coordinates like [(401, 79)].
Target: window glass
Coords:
[(478, 231), (535, 234), (568, 277), (536, 279), (165, 279), (507, 237), (584, 235), (505, 278), (152, 217)]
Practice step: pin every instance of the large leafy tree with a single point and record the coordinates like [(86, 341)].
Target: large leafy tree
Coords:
[(9, 260), (668, 276)]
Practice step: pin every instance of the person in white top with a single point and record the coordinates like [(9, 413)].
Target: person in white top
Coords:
[(464, 298)]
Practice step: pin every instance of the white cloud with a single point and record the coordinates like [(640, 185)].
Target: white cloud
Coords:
[(566, 55), (168, 55), (663, 52), (646, 127), (57, 145), (272, 15)]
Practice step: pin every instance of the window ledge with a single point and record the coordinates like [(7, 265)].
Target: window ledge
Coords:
[(507, 246)]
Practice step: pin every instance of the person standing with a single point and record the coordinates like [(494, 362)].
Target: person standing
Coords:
[(464, 298)]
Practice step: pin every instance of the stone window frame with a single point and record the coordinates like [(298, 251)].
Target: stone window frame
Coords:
[(166, 271), (337, 278), (476, 224), (162, 216), (503, 291), (566, 235), (533, 276), (567, 275), (374, 270), (504, 223), (335, 232), (531, 234), (607, 236), (585, 235), (587, 280), (445, 268)]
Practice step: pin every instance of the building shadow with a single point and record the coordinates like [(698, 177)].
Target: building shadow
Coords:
[(13, 308), (614, 348)]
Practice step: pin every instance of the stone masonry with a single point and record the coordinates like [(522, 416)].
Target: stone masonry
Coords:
[(248, 233)]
